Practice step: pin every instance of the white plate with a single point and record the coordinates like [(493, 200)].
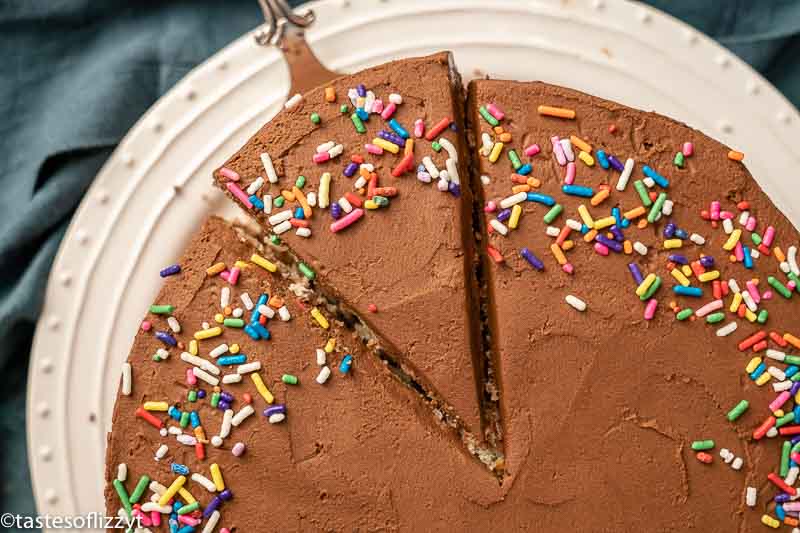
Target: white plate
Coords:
[(156, 188)]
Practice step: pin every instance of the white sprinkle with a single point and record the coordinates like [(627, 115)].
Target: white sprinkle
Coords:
[(566, 145), (369, 101), (324, 374), (161, 452), (486, 180), (360, 183), (126, 379), (206, 365), (749, 302), (293, 101), (243, 413), (173, 324), (225, 297), (424, 177), (212, 522), (204, 481), (772, 432), (427, 162), (449, 148), (266, 160), (574, 225), (666, 209), (268, 203), (266, 310), (149, 507), (283, 313), (336, 151), (625, 175), (238, 312), (248, 367), (727, 329), (650, 182), (743, 217), (303, 232), (640, 248), (321, 357), (227, 422), (227, 379), (727, 225), (247, 301), (514, 199), (452, 170), (730, 456), (216, 441), (732, 285), (175, 430), (775, 354), (352, 94), (369, 167), (791, 257), (277, 418), (755, 254), (576, 302), (281, 228), (255, 186), (205, 325), (552, 231), (279, 217), (157, 487), (791, 476), (163, 432), (187, 440), (122, 472), (724, 452), (345, 204), (205, 376), (395, 98), (219, 350), (737, 463), (776, 373), (697, 239), (487, 144), (785, 268), (782, 386), (162, 353), (311, 198), (498, 226)]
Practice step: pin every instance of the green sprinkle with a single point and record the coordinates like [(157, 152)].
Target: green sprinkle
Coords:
[(656, 209), (678, 161), (436, 146), (488, 116), (756, 238), (785, 450), (289, 379), (214, 399), (184, 419), (683, 314), (796, 448), (343, 108), (278, 202), (186, 509), (553, 213), (792, 360), (715, 317), (358, 124), (162, 309), (642, 190), (156, 357), (144, 481), (780, 287), (785, 419), (651, 290), (123, 496), (300, 182), (762, 316), (380, 200), (739, 410), (315, 118), (700, 445), (192, 396), (306, 270), (515, 162), (233, 323), (274, 239), (795, 377)]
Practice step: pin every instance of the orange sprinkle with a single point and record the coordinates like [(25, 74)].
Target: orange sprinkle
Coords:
[(568, 245), (703, 457), (791, 339), (533, 182), (330, 94), (590, 235), (276, 301), (364, 173), (600, 197), (558, 112), (505, 137), (580, 143), (499, 130), (520, 188), (642, 223), (215, 269), (301, 198), (779, 255), (356, 158), (628, 247), (409, 149), (227, 311), (635, 213), (736, 156), (287, 195), (519, 178), (559, 254)]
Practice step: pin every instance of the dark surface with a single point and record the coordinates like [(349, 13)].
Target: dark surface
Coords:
[(75, 77)]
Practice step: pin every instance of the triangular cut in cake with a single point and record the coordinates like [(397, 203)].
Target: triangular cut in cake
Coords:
[(636, 276), (288, 426), (361, 180)]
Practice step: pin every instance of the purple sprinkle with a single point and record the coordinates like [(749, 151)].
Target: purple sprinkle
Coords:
[(392, 137), (222, 405), (795, 439), (795, 387), (504, 215), (170, 271), (336, 211), (611, 244), (455, 189), (707, 261), (278, 409), (618, 235), (637, 274), (226, 396), (226, 495), (669, 230), (615, 163), (211, 507), (679, 259), (453, 126), (201, 394), (166, 338), (532, 259), (350, 169), (782, 498), (362, 91)]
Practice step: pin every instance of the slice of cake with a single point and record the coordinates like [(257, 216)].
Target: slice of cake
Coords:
[(638, 281), (362, 181), (243, 407)]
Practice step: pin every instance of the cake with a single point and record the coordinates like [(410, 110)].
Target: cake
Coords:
[(586, 322)]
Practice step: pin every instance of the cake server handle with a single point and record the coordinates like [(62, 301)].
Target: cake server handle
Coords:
[(285, 29)]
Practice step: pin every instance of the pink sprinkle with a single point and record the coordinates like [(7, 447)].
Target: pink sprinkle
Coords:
[(377, 106), (650, 309), (715, 208), (532, 150), (601, 248), (725, 215), (373, 149), (791, 285), (419, 128), (688, 149), (239, 193), (233, 277), (388, 111), (558, 150), (155, 518), (495, 111), (191, 379), (229, 174), (490, 207), (738, 252), (346, 220), (751, 223), (710, 307), (568, 268), (781, 399), (188, 520), (569, 179), (753, 290), (225, 274), (146, 325), (769, 236), (767, 295), (321, 157), (224, 530)]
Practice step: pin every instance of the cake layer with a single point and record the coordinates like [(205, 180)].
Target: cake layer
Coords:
[(600, 406), (405, 267), (359, 452)]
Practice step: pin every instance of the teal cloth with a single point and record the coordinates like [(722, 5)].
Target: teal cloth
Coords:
[(74, 77)]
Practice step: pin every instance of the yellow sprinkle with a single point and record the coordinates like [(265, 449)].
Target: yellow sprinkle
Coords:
[(604, 222), (586, 158), (678, 275), (216, 477), (233, 348), (763, 379), (797, 397), (172, 490), (193, 347), (386, 145), (711, 275), (736, 156), (156, 406), (241, 264), (263, 263), (737, 301), (330, 345), (559, 254), (730, 244), (669, 244), (558, 112), (767, 520), (590, 235), (371, 204), (628, 247), (646, 282), (360, 101), (219, 318), (585, 216), (778, 413), (330, 94), (320, 318), (513, 220), (687, 271), (208, 333), (749, 315), (495, 153), (261, 388), (200, 434), (600, 197), (752, 365), (186, 495), (409, 148), (580, 143), (215, 269)]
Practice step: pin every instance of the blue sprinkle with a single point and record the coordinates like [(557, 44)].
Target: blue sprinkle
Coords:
[(748, 259), (179, 469), (578, 190), (791, 371), (779, 512), (678, 258), (336, 211), (758, 371), (681, 234), (695, 292), (363, 115), (655, 176), (227, 360), (347, 362), (174, 412), (299, 214), (256, 201), (398, 129), (602, 159), (525, 169), (170, 271), (194, 419), (252, 332), (541, 198), (626, 223), (262, 331), (584, 229)]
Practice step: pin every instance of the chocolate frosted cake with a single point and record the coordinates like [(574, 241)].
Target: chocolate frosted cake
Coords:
[(526, 309)]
